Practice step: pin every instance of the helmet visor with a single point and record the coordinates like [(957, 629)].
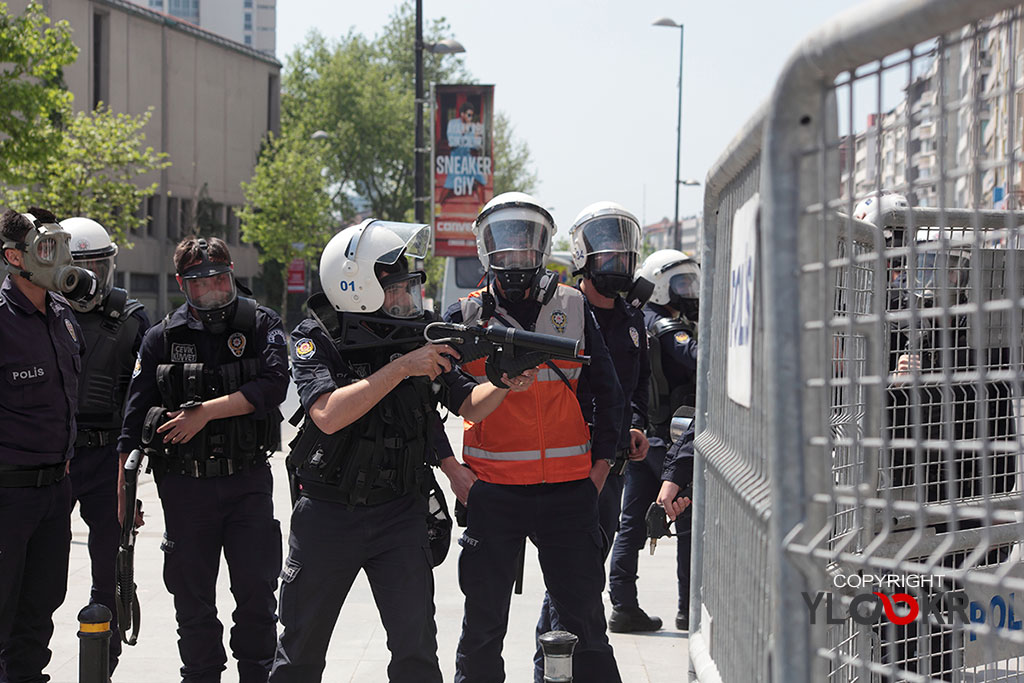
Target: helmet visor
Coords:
[(415, 238), (685, 285), (613, 263), (516, 244), (611, 233), (403, 295), (209, 292), (935, 268), (103, 268)]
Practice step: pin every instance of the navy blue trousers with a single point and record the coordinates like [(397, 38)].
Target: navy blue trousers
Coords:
[(562, 522), (608, 507), (329, 545), (94, 487), (643, 481), (35, 541), (204, 517)]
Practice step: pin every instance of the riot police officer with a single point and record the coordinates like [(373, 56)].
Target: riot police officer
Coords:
[(606, 250), (670, 316), (204, 404), (366, 383), (113, 326), (42, 358), (540, 467)]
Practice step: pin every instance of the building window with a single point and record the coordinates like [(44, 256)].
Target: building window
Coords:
[(247, 21), (144, 283), (248, 39), (100, 58), (247, 4), (173, 219)]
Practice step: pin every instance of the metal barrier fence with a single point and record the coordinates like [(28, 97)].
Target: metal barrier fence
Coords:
[(858, 509)]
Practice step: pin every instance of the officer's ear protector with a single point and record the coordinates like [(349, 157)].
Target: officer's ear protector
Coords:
[(639, 292)]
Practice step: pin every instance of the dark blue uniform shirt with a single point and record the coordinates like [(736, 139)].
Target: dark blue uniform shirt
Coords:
[(679, 460), (265, 393), (605, 403), (678, 355), (622, 328), (318, 368), (41, 361)]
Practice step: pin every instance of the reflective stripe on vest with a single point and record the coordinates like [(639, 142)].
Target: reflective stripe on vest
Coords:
[(538, 435)]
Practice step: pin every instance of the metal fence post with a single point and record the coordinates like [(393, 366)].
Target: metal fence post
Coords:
[(94, 644)]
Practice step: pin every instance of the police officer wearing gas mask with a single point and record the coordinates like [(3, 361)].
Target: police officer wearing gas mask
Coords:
[(671, 321), (42, 359), (605, 241), (370, 388), (113, 326), (204, 404), (539, 466)]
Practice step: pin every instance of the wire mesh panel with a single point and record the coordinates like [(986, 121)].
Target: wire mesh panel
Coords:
[(731, 551), (892, 170)]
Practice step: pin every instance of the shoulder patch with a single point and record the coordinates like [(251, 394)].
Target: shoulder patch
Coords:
[(275, 337), (682, 337), (305, 348), (71, 330), (635, 336), (138, 366)]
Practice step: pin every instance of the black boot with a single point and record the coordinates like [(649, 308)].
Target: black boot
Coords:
[(632, 620), (683, 621)]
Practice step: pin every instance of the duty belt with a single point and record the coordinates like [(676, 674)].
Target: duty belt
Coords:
[(15, 476), (95, 439), (203, 469)]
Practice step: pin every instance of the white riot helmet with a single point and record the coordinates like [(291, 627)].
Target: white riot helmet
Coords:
[(606, 246), (355, 258), (676, 279), (513, 239), (878, 203), (91, 249)]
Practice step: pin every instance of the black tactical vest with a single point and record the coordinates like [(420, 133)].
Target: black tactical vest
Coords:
[(110, 331), (184, 378), (665, 399), (382, 455)]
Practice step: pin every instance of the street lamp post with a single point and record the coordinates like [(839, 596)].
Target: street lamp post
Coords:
[(443, 47), (677, 236)]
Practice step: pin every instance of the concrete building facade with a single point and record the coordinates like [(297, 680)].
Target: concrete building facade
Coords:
[(213, 102), (250, 22)]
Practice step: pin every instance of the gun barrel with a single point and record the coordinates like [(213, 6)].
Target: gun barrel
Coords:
[(545, 343)]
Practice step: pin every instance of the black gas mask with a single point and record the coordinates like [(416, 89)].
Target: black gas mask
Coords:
[(684, 291), (210, 290), (611, 272)]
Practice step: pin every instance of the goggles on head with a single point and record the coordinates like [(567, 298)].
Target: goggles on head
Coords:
[(208, 285)]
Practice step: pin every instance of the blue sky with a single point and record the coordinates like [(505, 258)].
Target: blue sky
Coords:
[(590, 85)]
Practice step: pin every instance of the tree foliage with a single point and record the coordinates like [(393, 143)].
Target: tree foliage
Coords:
[(513, 166), (33, 96), (93, 170), (288, 209)]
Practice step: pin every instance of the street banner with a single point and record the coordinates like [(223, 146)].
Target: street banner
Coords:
[(463, 164), (297, 276)]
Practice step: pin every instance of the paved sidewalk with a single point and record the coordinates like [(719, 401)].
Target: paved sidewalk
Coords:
[(358, 652)]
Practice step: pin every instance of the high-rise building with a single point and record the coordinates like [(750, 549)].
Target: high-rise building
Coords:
[(250, 22)]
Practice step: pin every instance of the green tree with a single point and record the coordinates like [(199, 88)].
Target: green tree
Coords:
[(93, 170), (513, 166), (33, 95), (287, 214)]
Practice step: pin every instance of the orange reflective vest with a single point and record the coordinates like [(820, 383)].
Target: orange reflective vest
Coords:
[(538, 435)]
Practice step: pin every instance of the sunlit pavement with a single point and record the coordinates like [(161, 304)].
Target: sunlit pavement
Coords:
[(358, 651)]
